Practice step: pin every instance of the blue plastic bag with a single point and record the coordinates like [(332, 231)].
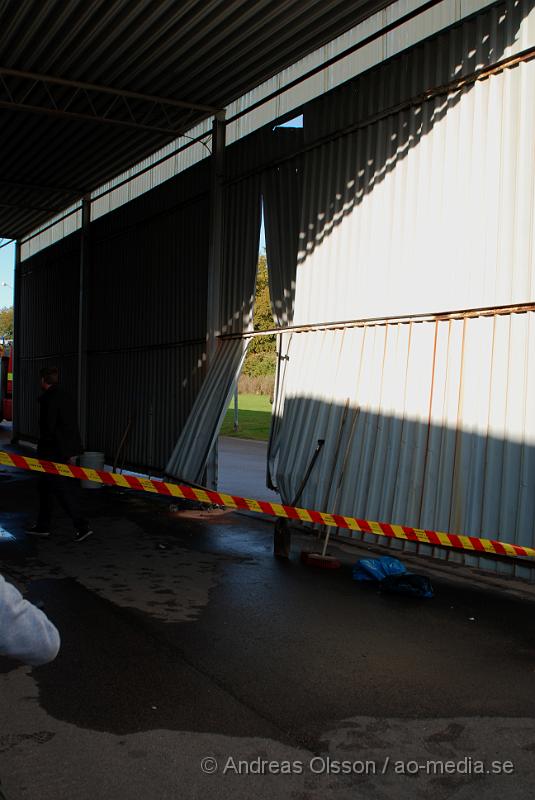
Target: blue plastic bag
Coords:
[(392, 576), (375, 569)]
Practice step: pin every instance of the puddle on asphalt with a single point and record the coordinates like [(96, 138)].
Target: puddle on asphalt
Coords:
[(6, 536)]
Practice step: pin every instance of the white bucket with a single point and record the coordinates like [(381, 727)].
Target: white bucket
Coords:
[(92, 461)]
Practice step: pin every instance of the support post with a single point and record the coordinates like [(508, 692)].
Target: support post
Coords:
[(17, 344), (236, 407), (82, 317), (215, 262)]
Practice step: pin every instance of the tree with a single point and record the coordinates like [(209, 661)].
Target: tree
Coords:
[(6, 322), (261, 355)]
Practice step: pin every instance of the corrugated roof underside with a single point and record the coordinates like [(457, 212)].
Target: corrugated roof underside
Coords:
[(203, 52)]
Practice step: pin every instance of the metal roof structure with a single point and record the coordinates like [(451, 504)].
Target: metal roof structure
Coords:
[(87, 89)]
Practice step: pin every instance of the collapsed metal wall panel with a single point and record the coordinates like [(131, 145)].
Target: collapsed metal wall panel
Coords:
[(426, 423), (147, 302), (428, 208), (245, 161), (236, 296)]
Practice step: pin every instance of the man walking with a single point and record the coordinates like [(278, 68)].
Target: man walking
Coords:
[(59, 440)]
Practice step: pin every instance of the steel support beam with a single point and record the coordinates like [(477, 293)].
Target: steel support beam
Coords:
[(16, 404), (42, 188), (216, 231), (215, 265), (59, 97), (85, 260), (25, 207), (105, 120), (37, 77)]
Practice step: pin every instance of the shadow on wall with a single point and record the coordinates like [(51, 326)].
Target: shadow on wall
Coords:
[(438, 431), (399, 470), (343, 174)]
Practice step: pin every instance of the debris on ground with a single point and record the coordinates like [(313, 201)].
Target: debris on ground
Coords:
[(391, 575)]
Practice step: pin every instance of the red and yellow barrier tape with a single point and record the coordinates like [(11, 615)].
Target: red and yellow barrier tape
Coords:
[(405, 532)]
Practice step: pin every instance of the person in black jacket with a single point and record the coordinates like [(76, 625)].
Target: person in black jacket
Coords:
[(59, 440)]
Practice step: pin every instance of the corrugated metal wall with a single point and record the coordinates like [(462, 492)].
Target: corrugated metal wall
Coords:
[(424, 210), (430, 209), (241, 230), (49, 290), (146, 319), (435, 19), (147, 305), (282, 193), (427, 209), (439, 430)]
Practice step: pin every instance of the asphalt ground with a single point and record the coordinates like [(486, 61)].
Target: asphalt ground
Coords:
[(184, 639)]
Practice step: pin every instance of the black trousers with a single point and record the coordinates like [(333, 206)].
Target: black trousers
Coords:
[(66, 491)]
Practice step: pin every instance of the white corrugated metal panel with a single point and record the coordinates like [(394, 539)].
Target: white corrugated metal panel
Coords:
[(197, 437), (440, 428), (431, 208)]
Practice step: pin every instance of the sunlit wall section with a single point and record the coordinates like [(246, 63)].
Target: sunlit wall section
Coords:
[(418, 201), (424, 205)]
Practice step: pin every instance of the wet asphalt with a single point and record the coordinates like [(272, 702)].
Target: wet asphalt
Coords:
[(277, 650), (281, 649)]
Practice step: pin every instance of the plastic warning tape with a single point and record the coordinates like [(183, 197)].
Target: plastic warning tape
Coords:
[(405, 532)]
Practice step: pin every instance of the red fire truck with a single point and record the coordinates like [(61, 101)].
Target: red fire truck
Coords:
[(6, 381)]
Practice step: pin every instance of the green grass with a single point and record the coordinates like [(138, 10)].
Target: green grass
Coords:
[(254, 418)]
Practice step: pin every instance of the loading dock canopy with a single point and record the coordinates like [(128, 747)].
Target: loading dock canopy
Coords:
[(87, 89)]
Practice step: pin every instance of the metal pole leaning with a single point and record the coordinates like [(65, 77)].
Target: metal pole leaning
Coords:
[(282, 537)]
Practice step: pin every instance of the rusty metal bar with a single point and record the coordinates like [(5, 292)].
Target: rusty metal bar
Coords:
[(437, 316)]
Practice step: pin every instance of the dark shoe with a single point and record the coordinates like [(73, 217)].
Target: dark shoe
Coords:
[(82, 533), (38, 530)]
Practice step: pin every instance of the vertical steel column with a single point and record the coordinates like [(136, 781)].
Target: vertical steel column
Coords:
[(17, 343), (85, 256), (215, 262)]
